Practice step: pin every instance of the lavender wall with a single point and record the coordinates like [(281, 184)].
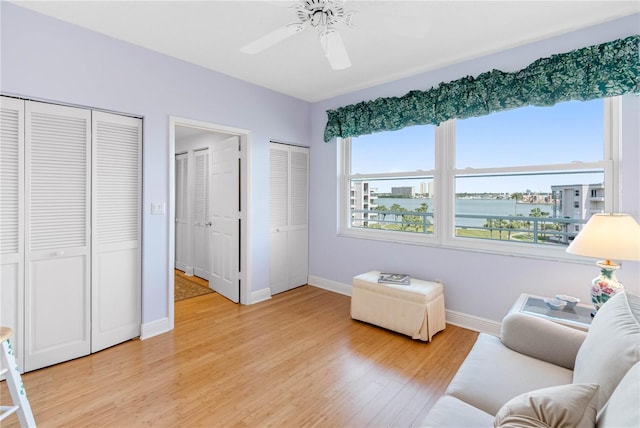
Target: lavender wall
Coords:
[(48, 59), (477, 284)]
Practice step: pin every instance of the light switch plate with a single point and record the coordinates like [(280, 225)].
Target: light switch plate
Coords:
[(157, 208)]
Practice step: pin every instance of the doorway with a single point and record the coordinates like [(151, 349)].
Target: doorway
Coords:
[(217, 224)]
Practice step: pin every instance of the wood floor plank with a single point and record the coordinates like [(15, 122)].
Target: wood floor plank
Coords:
[(297, 360)]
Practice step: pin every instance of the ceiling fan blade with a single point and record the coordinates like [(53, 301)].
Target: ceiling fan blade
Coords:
[(271, 39), (335, 50)]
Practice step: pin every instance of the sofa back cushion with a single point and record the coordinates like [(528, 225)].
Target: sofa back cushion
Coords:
[(623, 409), (612, 345)]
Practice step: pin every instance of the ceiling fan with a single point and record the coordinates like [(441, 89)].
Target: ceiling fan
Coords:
[(322, 15)]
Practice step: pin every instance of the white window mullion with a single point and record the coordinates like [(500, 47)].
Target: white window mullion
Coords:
[(444, 210), (613, 150)]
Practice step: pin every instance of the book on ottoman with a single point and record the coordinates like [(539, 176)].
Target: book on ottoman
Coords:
[(394, 278)]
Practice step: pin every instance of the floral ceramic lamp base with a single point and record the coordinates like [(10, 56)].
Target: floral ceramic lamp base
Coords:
[(606, 285)]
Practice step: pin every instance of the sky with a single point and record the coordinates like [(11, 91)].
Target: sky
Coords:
[(565, 133)]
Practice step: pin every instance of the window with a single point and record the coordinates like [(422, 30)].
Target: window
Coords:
[(391, 190), (495, 182)]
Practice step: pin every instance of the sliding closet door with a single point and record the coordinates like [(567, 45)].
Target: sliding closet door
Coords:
[(12, 220), (116, 248), (57, 235)]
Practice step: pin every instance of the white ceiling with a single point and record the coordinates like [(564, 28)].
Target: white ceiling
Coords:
[(391, 39)]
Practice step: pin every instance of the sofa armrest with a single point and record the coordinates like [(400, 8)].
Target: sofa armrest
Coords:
[(542, 339)]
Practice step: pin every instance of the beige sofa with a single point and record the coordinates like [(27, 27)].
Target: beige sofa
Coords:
[(542, 374)]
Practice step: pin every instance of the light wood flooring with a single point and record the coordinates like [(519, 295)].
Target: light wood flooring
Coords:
[(297, 360)]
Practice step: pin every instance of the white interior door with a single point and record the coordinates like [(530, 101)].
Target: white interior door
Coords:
[(182, 212), (57, 234), (224, 209), (12, 221), (116, 245), (201, 217)]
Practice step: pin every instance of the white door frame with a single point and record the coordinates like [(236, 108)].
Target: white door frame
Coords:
[(245, 159)]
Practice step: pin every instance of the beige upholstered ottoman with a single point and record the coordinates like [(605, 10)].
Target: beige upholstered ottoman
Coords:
[(416, 310)]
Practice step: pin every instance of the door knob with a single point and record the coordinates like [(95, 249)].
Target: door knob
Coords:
[(208, 223)]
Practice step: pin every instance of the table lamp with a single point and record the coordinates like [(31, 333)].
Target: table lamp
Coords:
[(607, 236)]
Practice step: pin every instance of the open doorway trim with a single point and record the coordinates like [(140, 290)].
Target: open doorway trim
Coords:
[(245, 262)]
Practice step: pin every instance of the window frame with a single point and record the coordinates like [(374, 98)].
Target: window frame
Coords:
[(444, 175)]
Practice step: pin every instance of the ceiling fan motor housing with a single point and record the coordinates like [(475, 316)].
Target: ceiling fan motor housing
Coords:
[(322, 13)]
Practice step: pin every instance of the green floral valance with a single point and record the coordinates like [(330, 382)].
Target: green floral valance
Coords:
[(605, 70)]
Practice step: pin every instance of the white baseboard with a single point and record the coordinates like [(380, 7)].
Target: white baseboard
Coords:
[(459, 319), (329, 285), (260, 296), (154, 328), (471, 322)]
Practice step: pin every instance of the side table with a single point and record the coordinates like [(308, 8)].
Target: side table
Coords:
[(578, 317)]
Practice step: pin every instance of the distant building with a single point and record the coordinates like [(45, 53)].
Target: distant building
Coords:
[(423, 189), (362, 200), (403, 191), (536, 198), (426, 189), (578, 202)]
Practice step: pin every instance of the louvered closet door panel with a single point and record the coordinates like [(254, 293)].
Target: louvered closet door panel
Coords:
[(182, 212), (278, 186), (278, 217), (57, 191), (201, 218), (298, 236), (116, 274), (11, 221)]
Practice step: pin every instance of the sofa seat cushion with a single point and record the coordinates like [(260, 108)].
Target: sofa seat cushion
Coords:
[(612, 345), (451, 412), (493, 374)]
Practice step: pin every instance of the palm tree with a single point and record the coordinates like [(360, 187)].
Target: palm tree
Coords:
[(381, 209), (405, 218), (490, 224), (425, 220), (502, 224), (511, 225), (396, 208), (537, 212)]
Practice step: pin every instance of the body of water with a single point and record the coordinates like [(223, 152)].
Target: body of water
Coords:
[(500, 207)]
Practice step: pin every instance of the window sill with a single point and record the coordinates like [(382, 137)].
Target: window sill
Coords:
[(521, 250)]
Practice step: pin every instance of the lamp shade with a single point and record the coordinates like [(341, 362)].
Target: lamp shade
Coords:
[(608, 236)]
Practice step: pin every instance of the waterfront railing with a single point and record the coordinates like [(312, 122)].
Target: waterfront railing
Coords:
[(539, 230)]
